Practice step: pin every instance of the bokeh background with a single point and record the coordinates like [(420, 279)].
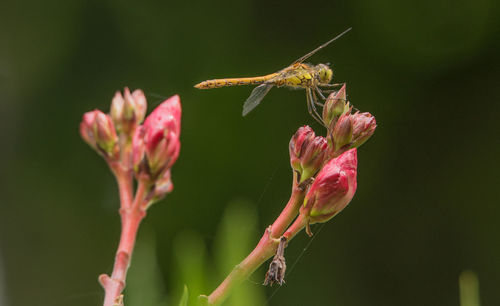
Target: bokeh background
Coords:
[(427, 207)]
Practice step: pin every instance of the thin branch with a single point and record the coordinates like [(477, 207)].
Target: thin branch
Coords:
[(131, 217), (264, 250)]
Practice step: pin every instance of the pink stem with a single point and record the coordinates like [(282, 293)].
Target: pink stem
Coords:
[(296, 227), (263, 251), (131, 217), (123, 172), (125, 186), (289, 212)]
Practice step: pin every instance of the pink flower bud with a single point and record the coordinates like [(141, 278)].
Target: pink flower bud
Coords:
[(162, 150), (156, 143), (87, 128), (307, 153), (98, 131), (336, 104), (300, 139), (163, 186), (342, 132), (128, 110), (332, 189), (364, 125), (138, 148), (116, 110), (135, 104), (351, 131)]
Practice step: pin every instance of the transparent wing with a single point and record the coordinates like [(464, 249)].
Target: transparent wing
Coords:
[(303, 58), (256, 96)]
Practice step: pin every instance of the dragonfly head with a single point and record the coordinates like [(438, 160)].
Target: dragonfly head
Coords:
[(325, 73)]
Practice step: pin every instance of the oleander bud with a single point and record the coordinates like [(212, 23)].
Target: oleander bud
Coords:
[(307, 153), (342, 132), (156, 144), (336, 104), (139, 163), (163, 186), (364, 125), (98, 130), (128, 110), (332, 189)]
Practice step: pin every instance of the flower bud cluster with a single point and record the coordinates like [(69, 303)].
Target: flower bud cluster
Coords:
[(128, 110), (346, 130), (327, 166), (326, 177), (149, 150)]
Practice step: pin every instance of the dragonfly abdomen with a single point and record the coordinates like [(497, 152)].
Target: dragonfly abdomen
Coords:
[(217, 83)]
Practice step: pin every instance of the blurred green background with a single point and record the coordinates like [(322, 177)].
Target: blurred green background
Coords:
[(426, 208)]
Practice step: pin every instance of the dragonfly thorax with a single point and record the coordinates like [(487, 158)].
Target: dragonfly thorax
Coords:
[(303, 76)]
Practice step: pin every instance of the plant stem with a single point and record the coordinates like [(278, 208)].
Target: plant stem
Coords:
[(122, 170), (265, 249), (125, 187), (131, 217), (295, 228), (289, 212)]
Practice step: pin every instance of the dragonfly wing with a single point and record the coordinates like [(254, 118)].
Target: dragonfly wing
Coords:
[(303, 58), (256, 96)]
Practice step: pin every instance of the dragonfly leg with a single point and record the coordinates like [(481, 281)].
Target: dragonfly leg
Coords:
[(319, 103), (311, 108), (328, 91), (315, 100), (332, 85), (320, 94)]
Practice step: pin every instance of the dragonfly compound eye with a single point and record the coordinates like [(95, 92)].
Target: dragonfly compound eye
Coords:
[(325, 74)]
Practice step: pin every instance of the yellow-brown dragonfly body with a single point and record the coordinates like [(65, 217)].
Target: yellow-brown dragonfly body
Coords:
[(297, 75)]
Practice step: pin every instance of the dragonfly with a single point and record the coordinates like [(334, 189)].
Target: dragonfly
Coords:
[(315, 79)]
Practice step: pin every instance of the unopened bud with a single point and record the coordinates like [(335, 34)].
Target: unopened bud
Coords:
[(128, 110), (116, 110), (332, 189), (364, 125), (98, 130), (162, 150), (342, 132), (163, 186), (300, 140), (307, 153), (156, 144), (139, 163), (335, 105)]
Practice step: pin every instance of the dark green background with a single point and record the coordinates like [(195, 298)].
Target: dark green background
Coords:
[(427, 205)]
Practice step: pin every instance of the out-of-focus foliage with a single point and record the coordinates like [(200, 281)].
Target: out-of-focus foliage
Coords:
[(191, 266), (145, 284), (469, 289), (185, 296), (238, 234), (426, 207), (234, 240)]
